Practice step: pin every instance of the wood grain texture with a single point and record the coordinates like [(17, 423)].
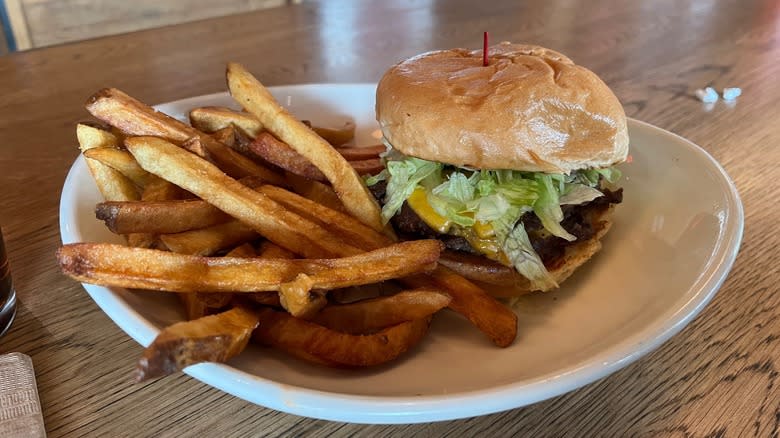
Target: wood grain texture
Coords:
[(41, 23), (719, 377)]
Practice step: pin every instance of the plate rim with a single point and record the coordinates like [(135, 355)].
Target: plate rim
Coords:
[(336, 406)]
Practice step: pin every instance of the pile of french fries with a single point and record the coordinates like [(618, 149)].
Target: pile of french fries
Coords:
[(262, 225)]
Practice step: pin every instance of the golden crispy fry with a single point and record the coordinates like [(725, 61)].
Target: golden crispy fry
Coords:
[(194, 307), (371, 166), (141, 240), (135, 118), (158, 217), (200, 304), (122, 161), (238, 140), (313, 342), (270, 250), (112, 184), (91, 136), (158, 189), (494, 319), (207, 241), (196, 146), (226, 136), (267, 217), (368, 316), (214, 338), (336, 137), (278, 153), (246, 251), (315, 191), (256, 99), (213, 118), (361, 153), (296, 297), (347, 227), (136, 268)]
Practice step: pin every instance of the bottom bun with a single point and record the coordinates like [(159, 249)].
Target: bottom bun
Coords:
[(505, 282)]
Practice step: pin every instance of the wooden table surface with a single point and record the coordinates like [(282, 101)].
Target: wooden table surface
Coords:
[(719, 377)]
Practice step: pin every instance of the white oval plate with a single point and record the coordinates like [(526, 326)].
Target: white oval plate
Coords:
[(672, 244)]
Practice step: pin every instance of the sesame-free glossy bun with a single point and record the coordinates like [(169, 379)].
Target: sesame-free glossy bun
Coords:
[(530, 109)]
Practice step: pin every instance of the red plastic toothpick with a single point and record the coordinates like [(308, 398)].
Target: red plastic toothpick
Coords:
[(485, 49)]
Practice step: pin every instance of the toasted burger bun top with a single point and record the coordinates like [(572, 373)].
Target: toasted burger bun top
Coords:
[(530, 109)]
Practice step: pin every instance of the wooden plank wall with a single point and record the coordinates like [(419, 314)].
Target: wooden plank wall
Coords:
[(40, 23)]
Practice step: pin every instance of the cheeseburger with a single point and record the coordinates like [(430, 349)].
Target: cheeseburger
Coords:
[(509, 164)]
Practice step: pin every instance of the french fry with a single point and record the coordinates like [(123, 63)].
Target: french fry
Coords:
[(370, 315), (315, 191), (194, 307), (347, 227), (200, 304), (278, 153), (362, 152), (196, 146), (158, 217), (134, 118), (313, 342), (112, 184), (158, 189), (267, 217), (494, 319), (246, 251), (213, 118), (209, 240), (270, 250), (370, 166), (296, 297), (121, 161), (141, 240), (214, 338), (92, 136), (336, 137), (226, 136), (256, 99), (136, 268), (238, 140)]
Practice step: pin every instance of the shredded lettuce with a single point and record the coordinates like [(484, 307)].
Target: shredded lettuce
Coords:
[(590, 177), (374, 179), (457, 187), (404, 177), (496, 197), (517, 247), (548, 207), (575, 194)]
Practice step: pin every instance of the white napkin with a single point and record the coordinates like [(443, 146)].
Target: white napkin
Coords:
[(20, 408)]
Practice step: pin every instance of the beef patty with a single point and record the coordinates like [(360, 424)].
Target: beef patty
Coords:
[(576, 220)]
